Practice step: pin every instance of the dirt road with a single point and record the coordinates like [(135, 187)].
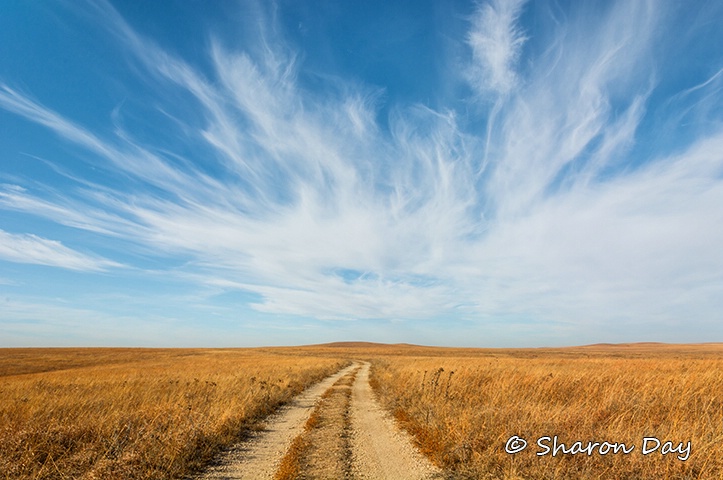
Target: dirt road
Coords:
[(335, 429), (380, 449)]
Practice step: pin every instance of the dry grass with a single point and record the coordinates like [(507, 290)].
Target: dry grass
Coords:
[(140, 413), (136, 413), (290, 466), (462, 406)]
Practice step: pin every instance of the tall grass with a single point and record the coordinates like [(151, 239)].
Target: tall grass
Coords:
[(161, 414), (146, 414), (462, 411)]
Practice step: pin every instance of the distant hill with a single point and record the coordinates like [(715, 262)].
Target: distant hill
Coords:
[(363, 345)]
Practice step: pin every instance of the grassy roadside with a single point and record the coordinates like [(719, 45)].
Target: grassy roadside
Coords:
[(133, 413), (462, 410)]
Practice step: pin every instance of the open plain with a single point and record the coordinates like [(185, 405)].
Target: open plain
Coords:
[(187, 413)]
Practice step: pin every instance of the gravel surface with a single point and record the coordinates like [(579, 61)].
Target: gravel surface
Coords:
[(258, 458), (379, 449)]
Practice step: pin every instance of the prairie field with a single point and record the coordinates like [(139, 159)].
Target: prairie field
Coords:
[(137, 413), (462, 408), (165, 413)]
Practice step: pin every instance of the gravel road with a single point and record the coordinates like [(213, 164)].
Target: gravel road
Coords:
[(379, 449)]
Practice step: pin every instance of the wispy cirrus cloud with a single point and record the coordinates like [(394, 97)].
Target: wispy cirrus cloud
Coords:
[(578, 111), (496, 39), (24, 248), (302, 197)]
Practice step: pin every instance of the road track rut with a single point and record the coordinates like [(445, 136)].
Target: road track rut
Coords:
[(349, 437)]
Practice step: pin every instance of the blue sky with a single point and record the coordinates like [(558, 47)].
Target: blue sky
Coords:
[(500, 173)]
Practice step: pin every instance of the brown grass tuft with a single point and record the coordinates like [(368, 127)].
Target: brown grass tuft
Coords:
[(290, 466)]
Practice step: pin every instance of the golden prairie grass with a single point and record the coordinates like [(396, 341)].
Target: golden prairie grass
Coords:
[(137, 413), (463, 409), (141, 413)]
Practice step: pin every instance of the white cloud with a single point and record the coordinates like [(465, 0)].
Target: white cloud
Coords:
[(322, 213), (496, 40), (639, 246), (24, 248), (578, 112)]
